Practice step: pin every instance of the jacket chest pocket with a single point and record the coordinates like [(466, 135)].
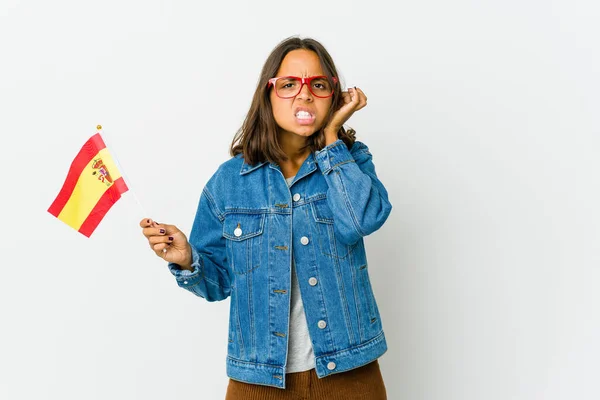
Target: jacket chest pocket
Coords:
[(323, 217), (244, 234)]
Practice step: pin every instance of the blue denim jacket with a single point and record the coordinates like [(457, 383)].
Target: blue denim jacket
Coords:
[(248, 225)]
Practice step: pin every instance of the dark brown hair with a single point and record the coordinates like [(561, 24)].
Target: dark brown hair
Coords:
[(257, 138)]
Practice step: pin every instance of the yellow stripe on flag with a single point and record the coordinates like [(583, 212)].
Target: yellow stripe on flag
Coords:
[(88, 191)]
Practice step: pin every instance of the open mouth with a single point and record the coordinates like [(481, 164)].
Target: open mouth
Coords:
[(304, 117)]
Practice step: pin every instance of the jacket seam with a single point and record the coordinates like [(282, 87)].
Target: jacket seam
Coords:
[(357, 227), (213, 205), (331, 146), (253, 362), (352, 347), (342, 163)]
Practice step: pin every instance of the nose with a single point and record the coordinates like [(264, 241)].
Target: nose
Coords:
[(305, 92)]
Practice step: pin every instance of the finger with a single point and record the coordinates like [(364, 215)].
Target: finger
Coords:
[(149, 232), (361, 97), (361, 93), (170, 229), (346, 97), (354, 95), (146, 222), (160, 248), (154, 240)]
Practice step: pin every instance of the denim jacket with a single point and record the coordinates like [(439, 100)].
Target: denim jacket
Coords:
[(248, 226)]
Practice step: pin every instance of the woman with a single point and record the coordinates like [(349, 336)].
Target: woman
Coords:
[(280, 228)]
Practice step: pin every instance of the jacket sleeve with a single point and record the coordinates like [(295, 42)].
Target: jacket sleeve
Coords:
[(210, 278), (357, 198)]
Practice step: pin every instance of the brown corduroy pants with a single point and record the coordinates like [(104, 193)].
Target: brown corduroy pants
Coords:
[(362, 383)]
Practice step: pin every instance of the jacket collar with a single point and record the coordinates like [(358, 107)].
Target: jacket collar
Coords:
[(306, 168), (246, 168)]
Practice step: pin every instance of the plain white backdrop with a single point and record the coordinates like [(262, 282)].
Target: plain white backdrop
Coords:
[(483, 123)]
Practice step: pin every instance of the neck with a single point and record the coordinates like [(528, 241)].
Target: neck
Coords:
[(292, 146)]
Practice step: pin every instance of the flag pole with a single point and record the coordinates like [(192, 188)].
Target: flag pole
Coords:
[(120, 167), (122, 171)]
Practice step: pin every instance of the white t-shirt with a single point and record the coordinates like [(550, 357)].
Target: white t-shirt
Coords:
[(300, 352)]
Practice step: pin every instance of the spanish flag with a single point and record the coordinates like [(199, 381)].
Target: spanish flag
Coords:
[(92, 186)]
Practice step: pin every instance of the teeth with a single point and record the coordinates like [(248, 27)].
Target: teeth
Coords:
[(303, 114)]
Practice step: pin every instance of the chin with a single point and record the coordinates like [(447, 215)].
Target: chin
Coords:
[(306, 131)]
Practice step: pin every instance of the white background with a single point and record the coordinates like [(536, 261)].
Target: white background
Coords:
[(483, 123)]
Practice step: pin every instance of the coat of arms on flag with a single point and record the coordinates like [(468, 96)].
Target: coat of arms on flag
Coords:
[(92, 186)]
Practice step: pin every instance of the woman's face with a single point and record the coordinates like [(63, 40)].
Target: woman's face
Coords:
[(291, 114)]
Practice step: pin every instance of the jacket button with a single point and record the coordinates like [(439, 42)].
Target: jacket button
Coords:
[(237, 232), (331, 365), (296, 197), (185, 282), (304, 240), (312, 281), (322, 324)]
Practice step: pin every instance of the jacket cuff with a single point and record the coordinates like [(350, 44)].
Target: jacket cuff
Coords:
[(333, 155), (185, 277)]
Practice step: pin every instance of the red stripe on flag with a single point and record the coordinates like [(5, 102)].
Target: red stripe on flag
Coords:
[(107, 200), (85, 155)]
